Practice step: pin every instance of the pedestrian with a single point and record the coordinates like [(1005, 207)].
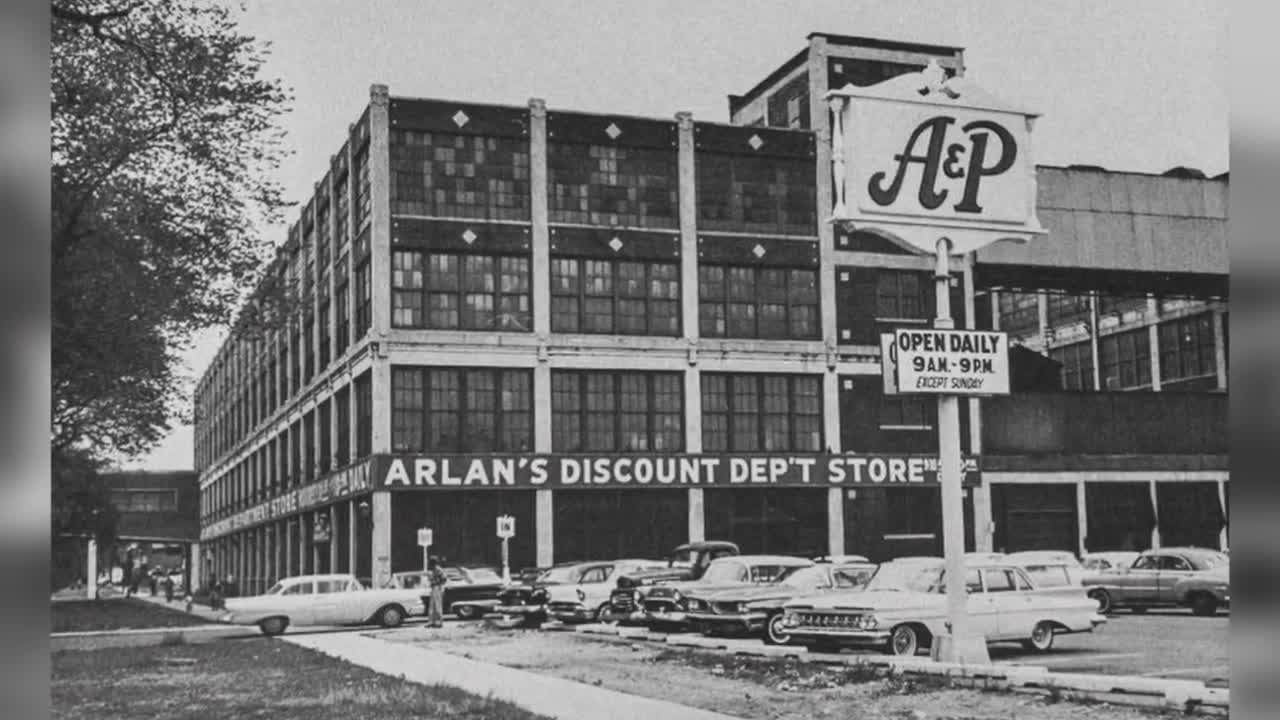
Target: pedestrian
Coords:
[(435, 615), (168, 588), (153, 580)]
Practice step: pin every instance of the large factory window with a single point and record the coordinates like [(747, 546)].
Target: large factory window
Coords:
[(459, 176), (758, 302), (613, 186), (757, 194), (1124, 360), (448, 291), (1077, 365), (761, 413), (457, 410), (1188, 357), (623, 297), (595, 411)]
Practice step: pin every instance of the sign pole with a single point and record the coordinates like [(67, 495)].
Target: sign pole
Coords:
[(960, 645), (506, 566)]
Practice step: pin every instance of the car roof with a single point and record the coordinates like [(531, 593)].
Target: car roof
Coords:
[(1185, 550), (776, 559), (325, 576), (707, 545)]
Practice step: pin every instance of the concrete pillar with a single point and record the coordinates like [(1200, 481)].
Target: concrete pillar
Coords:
[(1219, 350), (381, 541), (835, 521), (380, 406), (541, 280), (302, 545), (1093, 341), (195, 565), (1222, 501), (91, 569), (379, 160), (995, 303), (1042, 315), (1155, 510), (688, 194), (1153, 340), (697, 515), (543, 527), (353, 515), (315, 546), (693, 445), (1082, 517), (290, 547), (333, 538)]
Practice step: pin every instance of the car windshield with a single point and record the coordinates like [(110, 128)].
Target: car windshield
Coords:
[(725, 572), (913, 577), (805, 578), (484, 575), (561, 575), (1048, 575)]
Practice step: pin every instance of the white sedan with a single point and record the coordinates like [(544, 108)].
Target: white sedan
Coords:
[(322, 600), (584, 593), (904, 606)]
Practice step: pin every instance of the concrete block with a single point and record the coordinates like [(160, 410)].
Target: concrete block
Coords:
[(1027, 676), (772, 651), (685, 641), (597, 629), (635, 633)]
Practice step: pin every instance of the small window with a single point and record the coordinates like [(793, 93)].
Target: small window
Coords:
[(302, 588), (852, 577), (1020, 581), (353, 586), (594, 575), (1173, 562), (329, 586), (1048, 575), (409, 582), (998, 580), (972, 582)]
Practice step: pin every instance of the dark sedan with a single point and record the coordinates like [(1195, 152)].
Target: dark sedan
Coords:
[(468, 591)]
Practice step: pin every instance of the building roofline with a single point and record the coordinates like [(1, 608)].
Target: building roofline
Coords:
[(882, 44), (1220, 177), (737, 102)]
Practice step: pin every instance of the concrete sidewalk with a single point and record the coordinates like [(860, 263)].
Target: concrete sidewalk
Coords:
[(538, 693)]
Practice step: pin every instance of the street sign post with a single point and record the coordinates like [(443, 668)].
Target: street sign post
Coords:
[(506, 531), (940, 166), (425, 540)]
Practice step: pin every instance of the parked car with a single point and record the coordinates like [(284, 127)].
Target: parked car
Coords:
[(469, 592), (587, 597), (686, 562), (1099, 562), (527, 602), (322, 600), (757, 610), (904, 606), (1197, 578), (841, 559), (665, 606), (1049, 568)]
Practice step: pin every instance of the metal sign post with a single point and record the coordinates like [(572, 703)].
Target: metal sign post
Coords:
[(506, 531), (424, 540), (937, 165)]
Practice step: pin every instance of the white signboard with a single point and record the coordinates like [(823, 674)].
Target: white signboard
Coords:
[(952, 362), (424, 537), (920, 156), (506, 526)]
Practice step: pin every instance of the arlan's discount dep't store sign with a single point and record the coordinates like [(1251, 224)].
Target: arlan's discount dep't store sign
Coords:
[(469, 472)]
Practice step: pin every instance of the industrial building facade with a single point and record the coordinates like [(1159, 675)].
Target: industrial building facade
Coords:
[(628, 333)]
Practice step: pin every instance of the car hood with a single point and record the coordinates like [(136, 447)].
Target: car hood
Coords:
[(697, 588), (868, 600), (1217, 574), (757, 593), (656, 575)]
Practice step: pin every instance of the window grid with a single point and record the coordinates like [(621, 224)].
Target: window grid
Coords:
[(342, 221), (1077, 365), (758, 302), (448, 291), (1019, 312), (1187, 348), (607, 185), (363, 199), (600, 411), (761, 413), (756, 194), (459, 176), (1124, 360), (461, 410), (621, 297), (363, 298)]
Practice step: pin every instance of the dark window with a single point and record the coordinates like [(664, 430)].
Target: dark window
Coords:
[(364, 416), (295, 453), (1077, 365), (758, 302), (342, 310), (342, 407), (459, 176), (612, 186), (308, 447), (1019, 312), (1124, 360), (363, 200), (761, 413), (912, 511), (756, 194), (342, 229), (595, 411), (623, 297), (1120, 305), (324, 334), (363, 299), (907, 412), (903, 295), (1187, 353), (1065, 308), (325, 429), (445, 291), (309, 347), (295, 367), (455, 410)]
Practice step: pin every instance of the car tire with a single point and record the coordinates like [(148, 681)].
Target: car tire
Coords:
[(602, 613), (1105, 603), (774, 633), (1041, 639), (273, 626), (904, 640), (1204, 605), (391, 616), (466, 612)]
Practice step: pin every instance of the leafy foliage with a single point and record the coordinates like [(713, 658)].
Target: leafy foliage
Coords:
[(164, 134)]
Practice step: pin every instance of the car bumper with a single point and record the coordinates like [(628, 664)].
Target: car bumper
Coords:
[(672, 617), (737, 621), (573, 614), (871, 637), (521, 610)]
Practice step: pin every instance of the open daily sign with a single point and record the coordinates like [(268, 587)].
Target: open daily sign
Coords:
[(951, 362)]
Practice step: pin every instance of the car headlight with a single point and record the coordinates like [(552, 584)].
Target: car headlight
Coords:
[(790, 619), (868, 622), (676, 596)]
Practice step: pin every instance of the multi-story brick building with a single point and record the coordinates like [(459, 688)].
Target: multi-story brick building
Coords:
[(632, 332)]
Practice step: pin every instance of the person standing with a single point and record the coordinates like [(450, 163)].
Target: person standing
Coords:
[(435, 613)]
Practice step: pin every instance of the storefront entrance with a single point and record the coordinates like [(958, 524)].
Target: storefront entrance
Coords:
[(1035, 517), (611, 524), (781, 521)]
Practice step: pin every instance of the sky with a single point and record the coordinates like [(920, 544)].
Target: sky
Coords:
[(1140, 85)]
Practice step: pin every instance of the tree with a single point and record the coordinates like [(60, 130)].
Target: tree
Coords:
[(164, 135)]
